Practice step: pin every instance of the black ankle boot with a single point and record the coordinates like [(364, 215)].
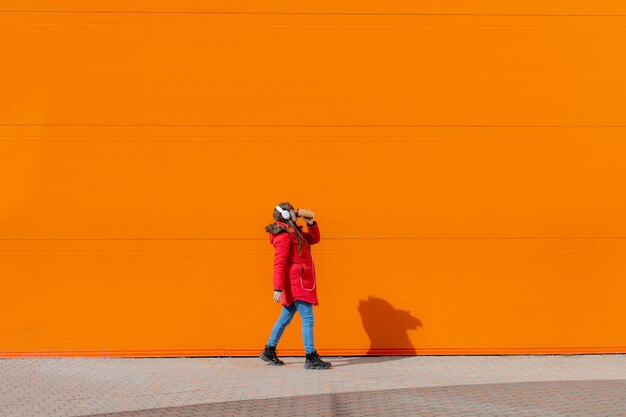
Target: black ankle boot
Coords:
[(313, 361), (269, 356)]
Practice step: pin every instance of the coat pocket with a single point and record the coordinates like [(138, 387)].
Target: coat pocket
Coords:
[(306, 280)]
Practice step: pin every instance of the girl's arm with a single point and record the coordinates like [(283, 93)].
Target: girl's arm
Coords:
[(282, 244), (312, 234)]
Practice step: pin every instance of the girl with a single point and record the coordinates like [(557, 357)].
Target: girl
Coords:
[(294, 281)]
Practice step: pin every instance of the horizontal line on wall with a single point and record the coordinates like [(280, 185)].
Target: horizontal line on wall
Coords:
[(438, 351), (315, 13), (328, 238), (320, 126), (325, 352)]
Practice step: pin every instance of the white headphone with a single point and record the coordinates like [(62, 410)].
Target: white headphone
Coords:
[(284, 213)]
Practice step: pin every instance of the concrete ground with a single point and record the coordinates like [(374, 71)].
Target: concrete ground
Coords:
[(451, 386)]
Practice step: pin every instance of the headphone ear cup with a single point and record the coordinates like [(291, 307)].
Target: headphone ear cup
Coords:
[(283, 213)]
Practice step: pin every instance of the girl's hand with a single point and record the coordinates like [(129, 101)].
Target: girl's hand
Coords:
[(277, 295)]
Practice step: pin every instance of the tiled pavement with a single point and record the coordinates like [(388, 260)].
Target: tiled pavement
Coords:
[(451, 386)]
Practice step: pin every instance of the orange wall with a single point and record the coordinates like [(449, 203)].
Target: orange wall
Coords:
[(466, 159)]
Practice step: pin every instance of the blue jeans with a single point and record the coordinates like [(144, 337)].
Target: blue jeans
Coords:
[(306, 313)]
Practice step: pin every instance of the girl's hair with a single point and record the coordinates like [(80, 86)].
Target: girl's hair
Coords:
[(290, 229)]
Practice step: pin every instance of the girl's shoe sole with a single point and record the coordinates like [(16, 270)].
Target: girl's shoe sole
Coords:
[(321, 368)]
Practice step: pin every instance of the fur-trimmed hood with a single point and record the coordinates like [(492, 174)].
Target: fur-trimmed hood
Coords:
[(276, 228)]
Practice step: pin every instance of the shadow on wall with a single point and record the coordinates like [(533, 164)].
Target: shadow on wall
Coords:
[(387, 327)]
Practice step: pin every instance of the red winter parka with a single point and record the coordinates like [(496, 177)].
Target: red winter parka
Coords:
[(294, 271)]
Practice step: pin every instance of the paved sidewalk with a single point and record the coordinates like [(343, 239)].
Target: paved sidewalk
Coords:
[(450, 386)]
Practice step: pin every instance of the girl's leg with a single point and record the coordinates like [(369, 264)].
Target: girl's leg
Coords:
[(286, 315), (313, 360), (306, 312)]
